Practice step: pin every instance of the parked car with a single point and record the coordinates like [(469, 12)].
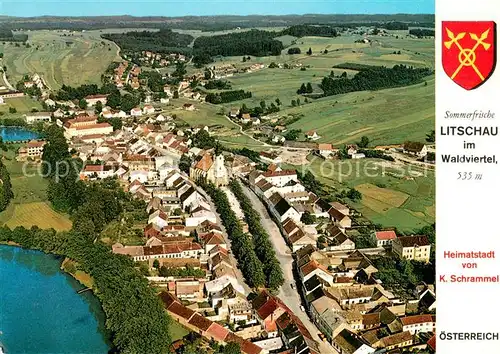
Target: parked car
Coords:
[(302, 308)]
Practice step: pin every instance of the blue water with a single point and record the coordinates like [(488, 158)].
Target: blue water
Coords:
[(17, 134), (40, 310)]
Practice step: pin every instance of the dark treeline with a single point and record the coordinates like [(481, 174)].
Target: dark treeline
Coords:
[(253, 42), (6, 193), (6, 35), (394, 25), (115, 99), (210, 23), (376, 78), (164, 40), (355, 66), (310, 30), (294, 50), (422, 32), (134, 315), (241, 243), (261, 239), (227, 96), (218, 85), (68, 93)]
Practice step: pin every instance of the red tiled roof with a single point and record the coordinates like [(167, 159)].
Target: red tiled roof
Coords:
[(411, 320), (35, 143), (167, 299), (181, 310), (279, 173), (217, 331), (205, 163), (385, 235), (325, 147), (94, 168), (95, 97), (432, 342), (200, 322), (94, 126)]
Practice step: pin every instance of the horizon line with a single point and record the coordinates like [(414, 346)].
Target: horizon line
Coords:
[(221, 15)]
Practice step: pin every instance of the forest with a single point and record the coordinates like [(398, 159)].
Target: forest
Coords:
[(7, 35), (6, 193), (261, 239), (227, 96), (162, 41), (254, 42), (376, 78), (310, 30), (421, 32), (211, 23)]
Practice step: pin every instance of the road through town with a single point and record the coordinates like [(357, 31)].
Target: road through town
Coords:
[(288, 295)]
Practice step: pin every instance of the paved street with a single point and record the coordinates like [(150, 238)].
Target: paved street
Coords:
[(234, 263), (288, 295)]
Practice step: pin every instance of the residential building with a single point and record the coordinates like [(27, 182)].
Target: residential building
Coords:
[(384, 238), (38, 117), (93, 99), (416, 248), (347, 342), (419, 323), (34, 149), (340, 219), (415, 148), (326, 150)]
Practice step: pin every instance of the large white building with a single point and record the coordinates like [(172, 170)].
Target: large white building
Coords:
[(85, 125)]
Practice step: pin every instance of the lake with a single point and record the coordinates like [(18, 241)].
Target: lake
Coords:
[(40, 310), (17, 134)]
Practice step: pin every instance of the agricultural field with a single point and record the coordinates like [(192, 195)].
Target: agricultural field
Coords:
[(387, 117), (60, 57), (21, 104), (394, 195), (29, 207)]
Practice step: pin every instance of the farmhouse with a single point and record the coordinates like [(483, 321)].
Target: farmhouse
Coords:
[(312, 135), (326, 150), (188, 106), (38, 117), (415, 148)]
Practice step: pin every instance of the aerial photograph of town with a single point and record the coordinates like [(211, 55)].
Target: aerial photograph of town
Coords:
[(217, 177)]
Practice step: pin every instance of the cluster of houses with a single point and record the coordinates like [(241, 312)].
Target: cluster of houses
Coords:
[(344, 297), (127, 73), (35, 80), (160, 59)]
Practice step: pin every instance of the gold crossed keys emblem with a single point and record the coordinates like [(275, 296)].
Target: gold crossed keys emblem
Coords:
[(468, 52)]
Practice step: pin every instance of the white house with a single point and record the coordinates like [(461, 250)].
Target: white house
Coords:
[(419, 324), (148, 109), (38, 117), (384, 238), (136, 112)]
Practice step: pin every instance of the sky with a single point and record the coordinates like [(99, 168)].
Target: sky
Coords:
[(29, 8)]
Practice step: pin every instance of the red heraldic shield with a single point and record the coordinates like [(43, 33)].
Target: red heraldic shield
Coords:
[(469, 51)]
